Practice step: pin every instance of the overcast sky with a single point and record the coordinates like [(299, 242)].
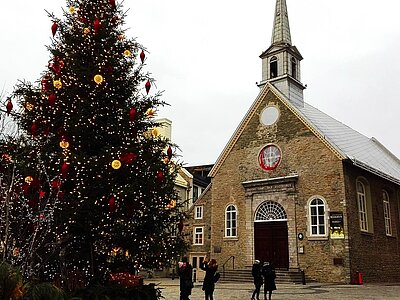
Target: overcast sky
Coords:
[(204, 55)]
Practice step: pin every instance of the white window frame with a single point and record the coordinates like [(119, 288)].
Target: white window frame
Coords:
[(198, 212), (231, 221), (317, 220), (386, 213), (198, 235), (362, 206)]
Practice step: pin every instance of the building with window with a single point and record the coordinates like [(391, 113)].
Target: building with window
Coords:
[(299, 189)]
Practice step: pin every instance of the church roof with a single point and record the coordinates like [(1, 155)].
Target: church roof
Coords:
[(345, 142), (367, 153)]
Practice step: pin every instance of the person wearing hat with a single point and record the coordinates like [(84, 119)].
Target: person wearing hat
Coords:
[(258, 280), (268, 272)]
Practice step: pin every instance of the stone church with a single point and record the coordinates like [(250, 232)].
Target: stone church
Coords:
[(297, 188)]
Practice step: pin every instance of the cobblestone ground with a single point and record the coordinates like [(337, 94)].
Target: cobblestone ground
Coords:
[(228, 291)]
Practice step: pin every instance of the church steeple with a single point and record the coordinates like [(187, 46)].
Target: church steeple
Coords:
[(281, 61), (281, 29)]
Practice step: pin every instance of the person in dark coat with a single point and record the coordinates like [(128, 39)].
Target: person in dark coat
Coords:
[(185, 272), (258, 280), (268, 272), (209, 279)]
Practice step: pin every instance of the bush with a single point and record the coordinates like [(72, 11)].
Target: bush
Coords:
[(11, 286), (43, 291)]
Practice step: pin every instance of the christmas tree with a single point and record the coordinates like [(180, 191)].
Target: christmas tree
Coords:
[(93, 181)]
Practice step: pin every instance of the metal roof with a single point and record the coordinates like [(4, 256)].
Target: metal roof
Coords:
[(367, 153)]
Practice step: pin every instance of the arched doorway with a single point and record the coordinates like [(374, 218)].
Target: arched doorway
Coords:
[(271, 234)]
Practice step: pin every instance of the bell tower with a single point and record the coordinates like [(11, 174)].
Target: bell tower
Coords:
[(281, 61)]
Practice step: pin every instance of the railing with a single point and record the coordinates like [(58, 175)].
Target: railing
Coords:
[(223, 265)]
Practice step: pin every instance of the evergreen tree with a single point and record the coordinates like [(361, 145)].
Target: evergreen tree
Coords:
[(95, 181)]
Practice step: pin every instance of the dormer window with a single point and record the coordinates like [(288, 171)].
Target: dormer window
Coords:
[(273, 67), (294, 67)]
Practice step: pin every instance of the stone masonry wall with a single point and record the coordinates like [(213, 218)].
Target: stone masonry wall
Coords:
[(374, 254), (320, 173)]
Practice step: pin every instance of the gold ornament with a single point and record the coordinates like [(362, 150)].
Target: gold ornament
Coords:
[(6, 157), (171, 205), (127, 53), (64, 144), (86, 30), (116, 164), (29, 106), (121, 37), (155, 132), (98, 79), (166, 160), (72, 10), (57, 84), (28, 179), (151, 112)]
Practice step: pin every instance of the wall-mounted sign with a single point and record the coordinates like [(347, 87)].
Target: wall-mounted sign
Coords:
[(336, 225)]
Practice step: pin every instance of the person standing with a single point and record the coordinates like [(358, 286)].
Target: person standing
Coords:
[(210, 278), (258, 280), (268, 272), (185, 273)]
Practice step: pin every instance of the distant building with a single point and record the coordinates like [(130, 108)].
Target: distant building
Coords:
[(299, 189)]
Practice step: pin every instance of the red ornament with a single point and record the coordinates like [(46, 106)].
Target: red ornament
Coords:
[(45, 84), (112, 2), (132, 114), (54, 28), (169, 152), (128, 158), (111, 205), (61, 195), (142, 56), (46, 131), (180, 226), (56, 65), (160, 177), (148, 85), (52, 99), (64, 169), (96, 26), (9, 106), (56, 183), (34, 128), (42, 194)]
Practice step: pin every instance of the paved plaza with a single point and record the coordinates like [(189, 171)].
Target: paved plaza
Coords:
[(243, 291)]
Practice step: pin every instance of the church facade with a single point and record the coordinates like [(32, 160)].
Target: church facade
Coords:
[(299, 189)]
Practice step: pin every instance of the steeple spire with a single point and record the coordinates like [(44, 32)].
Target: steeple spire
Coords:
[(281, 61), (281, 30)]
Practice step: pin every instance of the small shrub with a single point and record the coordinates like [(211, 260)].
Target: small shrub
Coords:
[(43, 291), (11, 286)]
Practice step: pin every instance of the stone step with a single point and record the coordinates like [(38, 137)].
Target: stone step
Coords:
[(244, 275)]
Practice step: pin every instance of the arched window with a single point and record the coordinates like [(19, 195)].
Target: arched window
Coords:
[(386, 212), (270, 211), (294, 67), (273, 67), (362, 206), (231, 221), (317, 219)]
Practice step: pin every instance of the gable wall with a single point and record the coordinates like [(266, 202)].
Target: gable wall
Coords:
[(319, 173)]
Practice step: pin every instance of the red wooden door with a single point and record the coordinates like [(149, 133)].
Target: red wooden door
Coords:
[(271, 243)]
